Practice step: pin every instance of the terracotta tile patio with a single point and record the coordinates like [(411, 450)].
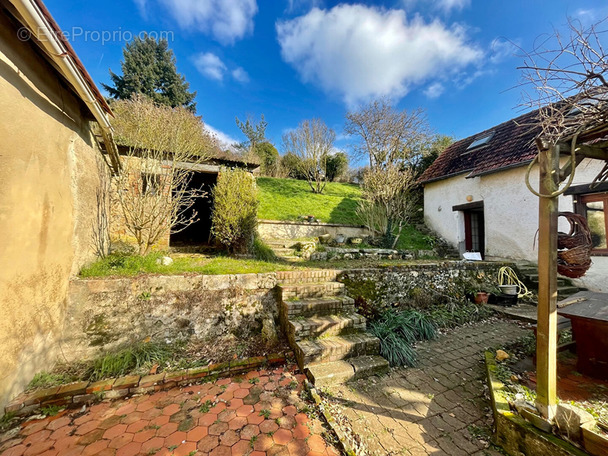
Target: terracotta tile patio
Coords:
[(260, 413)]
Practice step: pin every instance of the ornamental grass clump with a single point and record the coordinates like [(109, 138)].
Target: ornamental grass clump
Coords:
[(398, 331), (235, 210)]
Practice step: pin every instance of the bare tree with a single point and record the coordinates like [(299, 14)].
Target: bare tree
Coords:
[(568, 80), (153, 191), (394, 142), (386, 135), (312, 142)]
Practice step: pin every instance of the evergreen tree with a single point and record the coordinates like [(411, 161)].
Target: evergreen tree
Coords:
[(149, 68)]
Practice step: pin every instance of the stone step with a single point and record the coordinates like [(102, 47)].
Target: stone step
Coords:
[(311, 290), (335, 348), (283, 251), (318, 307), (280, 243), (321, 326), (565, 291), (533, 279), (345, 370), (309, 276)]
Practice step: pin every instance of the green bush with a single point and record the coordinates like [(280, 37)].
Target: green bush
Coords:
[(235, 210)]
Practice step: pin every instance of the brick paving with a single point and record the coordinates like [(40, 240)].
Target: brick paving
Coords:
[(438, 408), (260, 413)]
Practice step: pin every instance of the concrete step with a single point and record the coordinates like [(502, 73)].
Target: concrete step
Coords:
[(328, 325), (335, 348), (318, 307), (311, 290), (533, 279), (345, 370)]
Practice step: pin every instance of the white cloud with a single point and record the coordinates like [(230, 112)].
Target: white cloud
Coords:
[(240, 75), (210, 66), (225, 20), (502, 49), (444, 5), (448, 5), (224, 139), (359, 52), (435, 90)]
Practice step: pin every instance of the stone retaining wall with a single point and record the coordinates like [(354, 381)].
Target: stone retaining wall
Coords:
[(273, 229), (419, 284), (105, 313)]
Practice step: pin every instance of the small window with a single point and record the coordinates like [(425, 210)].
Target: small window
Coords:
[(481, 141), (595, 208)]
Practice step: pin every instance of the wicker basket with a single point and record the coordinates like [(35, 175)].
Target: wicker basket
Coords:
[(574, 248), (579, 234)]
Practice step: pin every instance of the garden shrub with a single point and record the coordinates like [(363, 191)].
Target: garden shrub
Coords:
[(235, 210)]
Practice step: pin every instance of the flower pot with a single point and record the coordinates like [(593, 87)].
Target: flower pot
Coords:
[(508, 289), (594, 442), (324, 238), (481, 297)]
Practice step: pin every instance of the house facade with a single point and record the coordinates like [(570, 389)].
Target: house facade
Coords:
[(475, 197), (53, 175)]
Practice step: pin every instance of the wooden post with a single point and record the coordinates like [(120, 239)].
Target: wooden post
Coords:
[(546, 333)]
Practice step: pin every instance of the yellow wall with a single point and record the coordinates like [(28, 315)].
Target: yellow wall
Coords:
[(51, 174)]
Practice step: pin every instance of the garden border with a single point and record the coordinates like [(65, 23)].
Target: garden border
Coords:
[(513, 433), (84, 392)]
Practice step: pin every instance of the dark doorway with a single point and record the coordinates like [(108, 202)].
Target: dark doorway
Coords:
[(474, 231), (199, 232)]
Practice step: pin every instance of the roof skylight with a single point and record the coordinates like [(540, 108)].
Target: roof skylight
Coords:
[(481, 141)]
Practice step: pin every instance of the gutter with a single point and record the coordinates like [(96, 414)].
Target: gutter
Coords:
[(35, 19)]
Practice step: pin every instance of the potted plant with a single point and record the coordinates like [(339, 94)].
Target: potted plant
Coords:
[(481, 297)]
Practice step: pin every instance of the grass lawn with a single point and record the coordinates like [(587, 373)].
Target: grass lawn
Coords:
[(131, 265), (287, 199)]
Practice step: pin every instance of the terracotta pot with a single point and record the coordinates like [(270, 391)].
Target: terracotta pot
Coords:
[(481, 297), (595, 443)]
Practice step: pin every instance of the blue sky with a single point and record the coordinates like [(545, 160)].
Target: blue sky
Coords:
[(297, 59)]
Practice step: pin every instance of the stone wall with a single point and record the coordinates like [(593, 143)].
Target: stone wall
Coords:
[(106, 313), (272, 229), (421, 283)]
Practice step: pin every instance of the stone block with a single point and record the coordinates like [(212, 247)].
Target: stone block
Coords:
[(198, 372), (219, 368), (84, 399), (102, 385), (116, 393), (130, 381), (72, 389), (175, 376), (151, 380), (41, 395), (27, 410), (569, 420), (537, 421)]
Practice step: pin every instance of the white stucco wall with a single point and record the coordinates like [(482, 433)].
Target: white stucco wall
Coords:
[(510, 211)]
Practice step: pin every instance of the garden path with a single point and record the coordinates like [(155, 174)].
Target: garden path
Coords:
[(438, 408), (260, 413)]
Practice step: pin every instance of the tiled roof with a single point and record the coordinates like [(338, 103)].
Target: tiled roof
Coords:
[(512, 144)]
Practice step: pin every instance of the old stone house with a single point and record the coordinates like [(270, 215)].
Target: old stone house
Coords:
[(476, 198), (52, 173)]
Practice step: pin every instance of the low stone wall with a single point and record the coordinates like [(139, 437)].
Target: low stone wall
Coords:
[(419, 283), (105, 313), (273, 229), (353, 253), (514, 434)]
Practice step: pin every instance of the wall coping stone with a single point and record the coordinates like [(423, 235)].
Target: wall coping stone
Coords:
[(291, 222), (77, 393)]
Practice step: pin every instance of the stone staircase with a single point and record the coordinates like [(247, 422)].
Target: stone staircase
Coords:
[(528, 274), (327, 335)]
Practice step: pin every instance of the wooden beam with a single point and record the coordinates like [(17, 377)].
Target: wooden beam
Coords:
[(546, 334), (600, 153)]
